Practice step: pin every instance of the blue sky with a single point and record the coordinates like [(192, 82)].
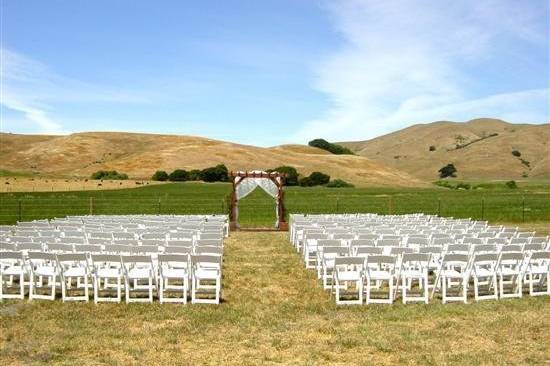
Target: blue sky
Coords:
[(270, 72)]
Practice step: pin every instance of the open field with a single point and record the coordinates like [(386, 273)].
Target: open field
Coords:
[(274, 312), (45, 184), (529, 203)]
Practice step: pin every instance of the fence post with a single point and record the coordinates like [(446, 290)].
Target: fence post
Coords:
[(19, 211), (439, 206), (390, 205), (91, 206), (337, 206), (158, 212), (482, 208), (223, 206)]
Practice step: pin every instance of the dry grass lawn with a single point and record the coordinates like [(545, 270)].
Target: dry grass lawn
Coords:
[(274, 312)]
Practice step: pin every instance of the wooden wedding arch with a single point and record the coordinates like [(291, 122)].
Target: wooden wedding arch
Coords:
[(256, 177)]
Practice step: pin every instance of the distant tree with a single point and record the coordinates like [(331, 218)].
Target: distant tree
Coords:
[(219, 173), (448, 170), (330, 147), (305, 182), (178, 175), (432, 148), (109, 175), (516, 153), (291, 172), (318, 178), (194, 174), (160, 175), (511, 184)]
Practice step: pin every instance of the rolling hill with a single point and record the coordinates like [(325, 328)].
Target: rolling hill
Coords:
[(140, 155), (479, 149)]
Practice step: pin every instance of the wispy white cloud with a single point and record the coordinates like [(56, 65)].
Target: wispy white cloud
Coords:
[(32, 88), (406, 62)]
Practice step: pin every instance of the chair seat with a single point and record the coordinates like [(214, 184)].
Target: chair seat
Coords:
[(482, 272), (207, 273), (349, 276), (174, 273), (509, 271), (379, 275), (45, 271), (108, 272), (538, 269), (14, 271), (451, 273), (75, 272), (413, 273), (139, 273)]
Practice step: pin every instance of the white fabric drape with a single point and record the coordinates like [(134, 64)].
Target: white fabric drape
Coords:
[(248, 184)]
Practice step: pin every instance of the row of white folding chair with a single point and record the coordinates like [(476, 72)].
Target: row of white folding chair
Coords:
[(510, 267), (457, 268), (105, 267), (204, 247)]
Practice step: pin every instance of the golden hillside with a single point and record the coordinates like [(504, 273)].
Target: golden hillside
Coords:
[(484, 149), (140, 155)]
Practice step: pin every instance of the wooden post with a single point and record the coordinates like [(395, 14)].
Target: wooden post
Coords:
[(91, 206), (19, 211), (439, 207), (482, 208)]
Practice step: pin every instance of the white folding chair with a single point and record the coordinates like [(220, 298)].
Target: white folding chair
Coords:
[(380, 269), (484, 272), (173, 267), (205, 270), (73, 266), (454, 267), (138, 268), (538, 272), (348, 274), (42, 266), (12, 264), (414, 266), (107, 267), (509, 270)]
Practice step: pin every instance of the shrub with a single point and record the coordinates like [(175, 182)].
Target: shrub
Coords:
[(516, 153), (219, 173), (318, 178), (525, 162), (291, 172), (109, 174), (160, 175), (432, 148), (448, 170), (178, 175), (339, 183), (305, 182), (511, 184), (194, 174), (330, 147)]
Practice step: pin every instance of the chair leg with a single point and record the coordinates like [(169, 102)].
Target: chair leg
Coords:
[(150, 289)]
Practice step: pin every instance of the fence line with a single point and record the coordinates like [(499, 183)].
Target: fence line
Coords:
[(490, 207)]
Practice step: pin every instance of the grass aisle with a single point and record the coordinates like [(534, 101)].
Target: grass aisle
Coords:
[(274, 312)]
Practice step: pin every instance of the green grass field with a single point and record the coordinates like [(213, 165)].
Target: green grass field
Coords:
[(274, 312), (529, 203)]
